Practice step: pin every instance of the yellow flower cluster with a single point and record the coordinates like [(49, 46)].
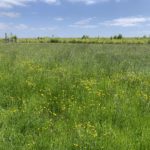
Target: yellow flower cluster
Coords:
[(88, 84), (85, 129)]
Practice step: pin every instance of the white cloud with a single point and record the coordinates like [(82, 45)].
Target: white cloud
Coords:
[(89, 2), (9, 14), (12, 3), (51, 1), (127, 22), (59, 18), (26, 27), (8, 27), (85, 23), (11, 26), (85, 26), (4, 26), (21, 27), (43, 28)]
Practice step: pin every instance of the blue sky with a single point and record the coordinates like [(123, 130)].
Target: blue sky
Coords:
[(73, 18)]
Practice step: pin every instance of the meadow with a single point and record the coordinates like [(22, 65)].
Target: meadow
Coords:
[(87, 40), (74, 96), (84, 40)]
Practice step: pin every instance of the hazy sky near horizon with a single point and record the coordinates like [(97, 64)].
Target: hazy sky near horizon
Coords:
[(73, 18)]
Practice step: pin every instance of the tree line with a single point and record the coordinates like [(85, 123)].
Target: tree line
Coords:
[(10, 38)]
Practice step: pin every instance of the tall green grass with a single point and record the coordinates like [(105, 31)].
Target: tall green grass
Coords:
[(74, 97), (101, 40)]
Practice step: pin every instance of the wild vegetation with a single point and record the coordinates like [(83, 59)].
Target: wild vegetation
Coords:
[(117, 39), (74, 96)]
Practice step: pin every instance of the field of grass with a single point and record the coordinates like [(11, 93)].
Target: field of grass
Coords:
[(101, 40), (87, 40), (74, 97)]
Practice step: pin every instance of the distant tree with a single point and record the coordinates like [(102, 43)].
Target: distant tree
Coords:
[(14, 38), (118, 36), (11, 37), (115, 37), (6, 38), (85, 37)]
